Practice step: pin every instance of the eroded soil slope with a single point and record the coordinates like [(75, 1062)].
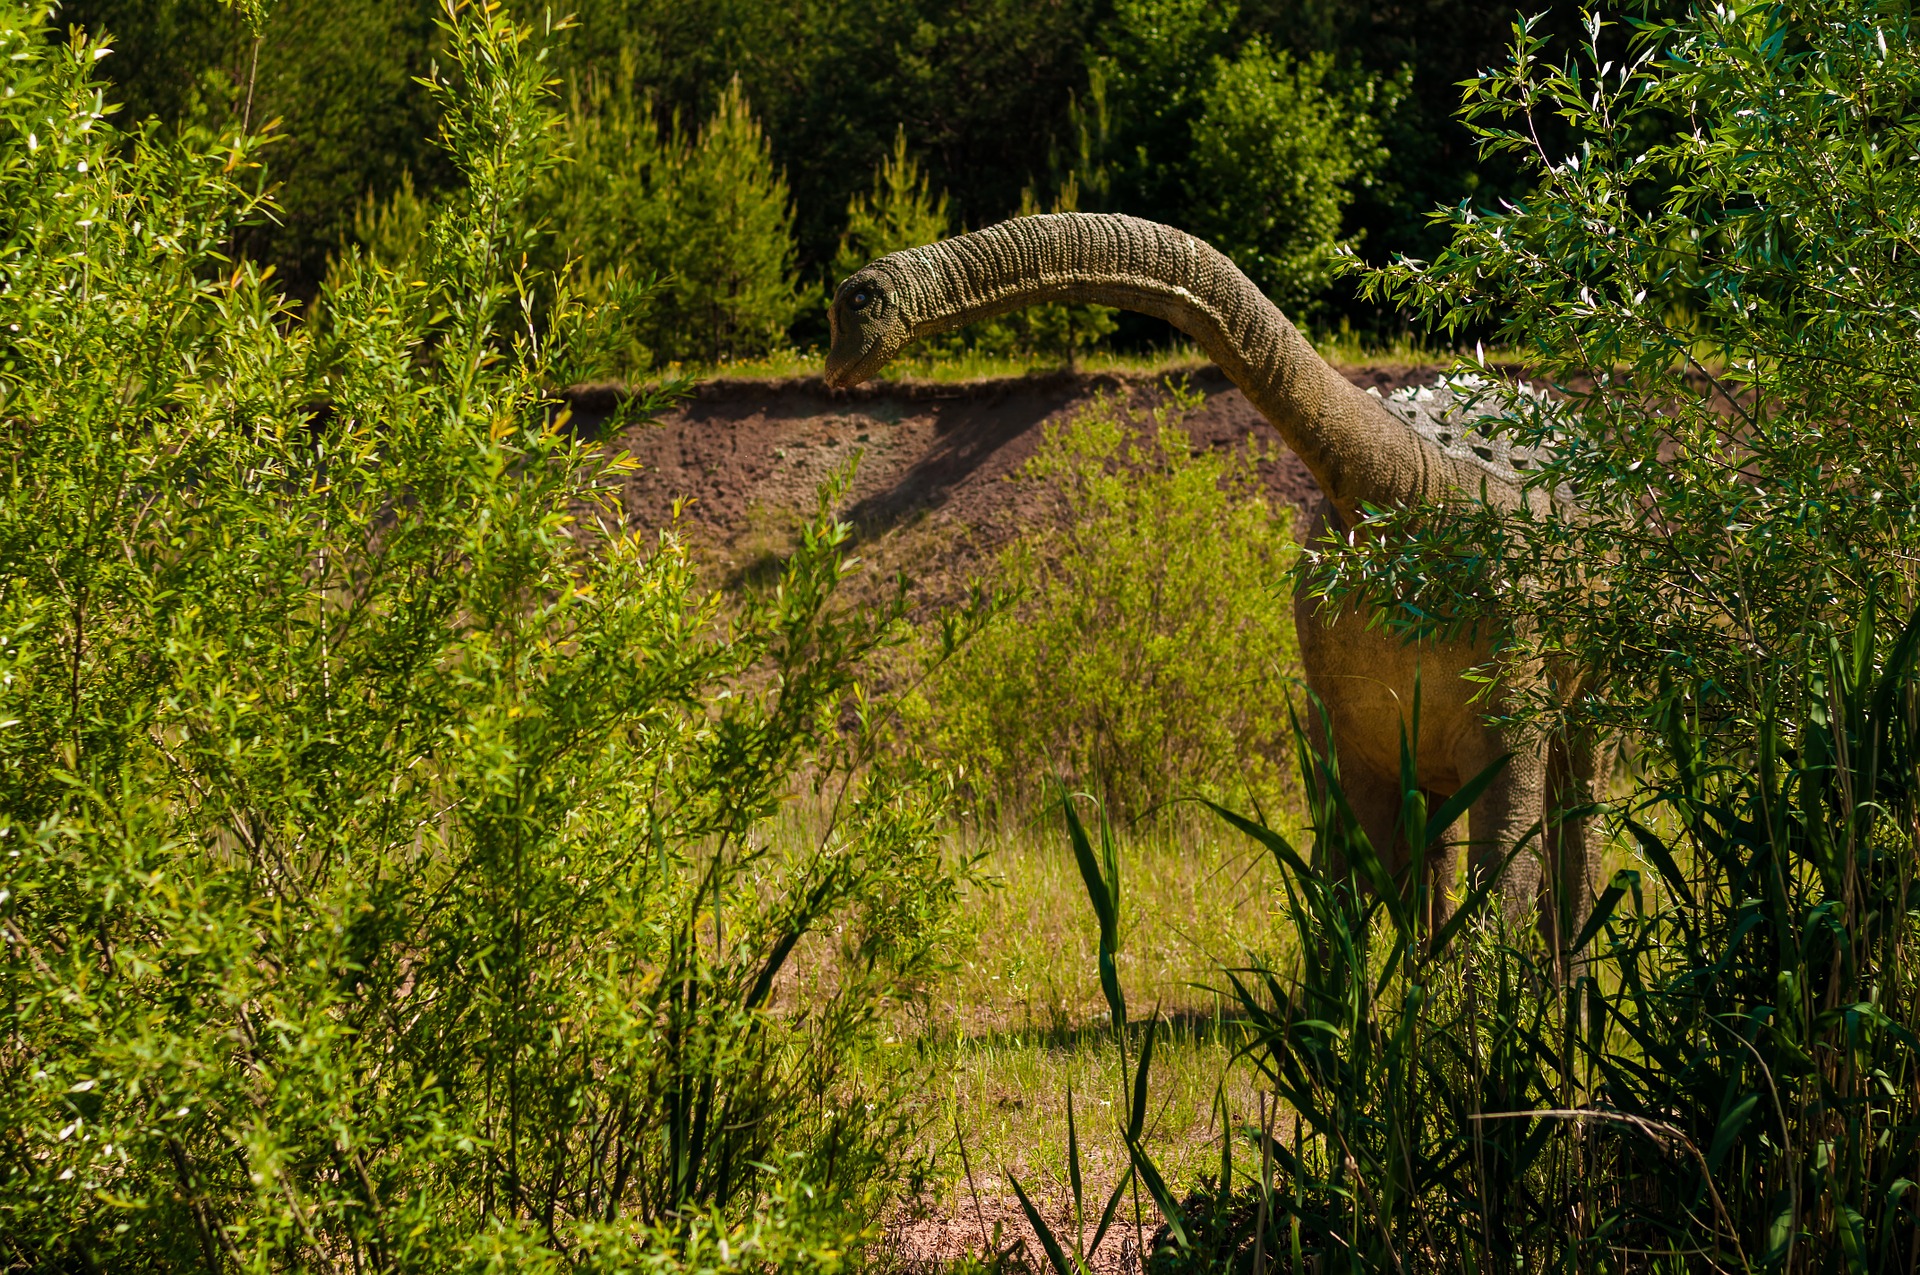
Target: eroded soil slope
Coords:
[(934, 490)]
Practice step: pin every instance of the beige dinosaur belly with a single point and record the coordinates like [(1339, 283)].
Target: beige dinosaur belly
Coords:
[(1367, 678)]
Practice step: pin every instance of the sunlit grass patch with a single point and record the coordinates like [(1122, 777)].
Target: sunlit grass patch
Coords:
[(1341, 347), (1022, 1019)]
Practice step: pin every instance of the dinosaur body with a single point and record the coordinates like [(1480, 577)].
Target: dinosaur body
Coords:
[(1361, 449)]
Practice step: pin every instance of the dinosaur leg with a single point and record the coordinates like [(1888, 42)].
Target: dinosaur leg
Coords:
[(1443, 865), (1507, 811), (1567, 891), (1375, 800)]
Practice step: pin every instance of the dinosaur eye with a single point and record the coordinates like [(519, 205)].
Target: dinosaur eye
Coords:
[(860, 299)]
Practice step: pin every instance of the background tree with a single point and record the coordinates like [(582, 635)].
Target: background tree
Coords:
[(341, 77), (691, 235), (1275, 158), (897, 213), (997, 97)]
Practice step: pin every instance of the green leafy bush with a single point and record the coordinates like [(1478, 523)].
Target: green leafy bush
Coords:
[(1275, 157), (1234, 138), (341, 79), (1147, 643), (1729, 318), (386, 873), (691, 235)]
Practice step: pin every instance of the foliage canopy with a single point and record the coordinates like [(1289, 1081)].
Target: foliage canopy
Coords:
[(1728, 312)]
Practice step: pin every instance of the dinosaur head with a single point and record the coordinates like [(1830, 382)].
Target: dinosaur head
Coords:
[(870, 325)]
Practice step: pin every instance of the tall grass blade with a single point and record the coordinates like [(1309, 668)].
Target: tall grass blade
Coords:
[(1458, 804), (1284, 855), (1623, 880), (1107, 1214), (1137, 1107), (1662, 859), (1103, 891), (1476, 898), (1163, 1199), (1049, 1242), (1073, 1175)]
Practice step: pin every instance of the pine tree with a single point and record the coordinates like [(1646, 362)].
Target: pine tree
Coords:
[(729, 247), (897, 214), (692, 236)]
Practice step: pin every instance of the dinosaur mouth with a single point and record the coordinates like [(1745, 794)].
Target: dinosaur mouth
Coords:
[(844, 373)]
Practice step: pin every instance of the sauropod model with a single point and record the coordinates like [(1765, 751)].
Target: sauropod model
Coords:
[(1361, 450)]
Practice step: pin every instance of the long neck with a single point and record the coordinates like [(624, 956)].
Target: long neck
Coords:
[(1357, 450)]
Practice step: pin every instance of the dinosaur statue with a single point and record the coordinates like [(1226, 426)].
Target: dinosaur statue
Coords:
[(1361, 449)]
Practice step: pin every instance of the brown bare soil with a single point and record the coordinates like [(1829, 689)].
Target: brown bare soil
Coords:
[(933, 493)]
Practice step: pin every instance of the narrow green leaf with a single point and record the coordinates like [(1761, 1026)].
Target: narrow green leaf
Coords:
[(1162, 1198), (1661, 858), (1073, 1160), (1226, 1139), (1137, 1109), (1284, 855), (1055, 1254), (1106, 1214), (1476, 898), (1455, 806), (1103, 890), (1610, 897), (1729, 1129)]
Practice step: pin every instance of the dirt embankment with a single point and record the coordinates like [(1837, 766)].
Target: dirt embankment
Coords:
[(933, 492)]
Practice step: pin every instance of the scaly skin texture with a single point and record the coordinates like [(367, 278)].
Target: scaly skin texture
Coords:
[(1361, 452)]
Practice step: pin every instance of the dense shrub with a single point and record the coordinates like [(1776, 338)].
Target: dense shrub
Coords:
[(1276, 155), (385, 869), (997, 97), (1236, 139), (686, 240), (1148, 638), (705, 219), (339, 79), (1729, 319)]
